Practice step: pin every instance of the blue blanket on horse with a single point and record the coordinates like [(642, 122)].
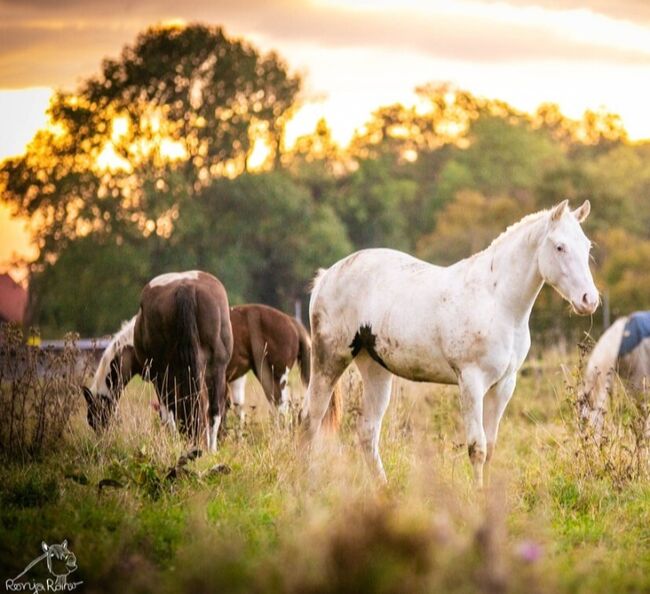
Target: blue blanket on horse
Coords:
[(637, 328)]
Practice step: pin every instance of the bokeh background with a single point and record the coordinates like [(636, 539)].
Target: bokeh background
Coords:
[(262, 140)]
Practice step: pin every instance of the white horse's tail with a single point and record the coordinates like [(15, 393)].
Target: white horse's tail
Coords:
[(317, 279)]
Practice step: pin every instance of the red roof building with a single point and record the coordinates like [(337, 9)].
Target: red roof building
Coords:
[(13, 300)]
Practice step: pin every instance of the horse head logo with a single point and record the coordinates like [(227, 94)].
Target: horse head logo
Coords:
[(60, 561)]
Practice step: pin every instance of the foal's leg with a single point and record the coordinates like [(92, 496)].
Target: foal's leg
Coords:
[(265, 373), (377, 383), (283, 387), (472, 390), (238, 395), (494, 405)]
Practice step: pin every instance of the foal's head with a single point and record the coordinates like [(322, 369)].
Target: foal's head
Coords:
[(564, 258)]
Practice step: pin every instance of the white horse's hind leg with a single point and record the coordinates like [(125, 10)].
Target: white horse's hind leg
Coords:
[(377, 383), (494, 405), (319, 393), (238, 396), (472, 390), (317, 399)]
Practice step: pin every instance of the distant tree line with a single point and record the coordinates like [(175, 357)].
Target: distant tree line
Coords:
[(145, 168)]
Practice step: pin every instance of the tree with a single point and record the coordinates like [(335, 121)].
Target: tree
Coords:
[(373, 203), (180, 107), (91, 288), (262, 234), (503, 157), (467, 225)]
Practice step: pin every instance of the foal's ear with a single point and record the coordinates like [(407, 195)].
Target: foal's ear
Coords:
[(583, 211), (558, 211)]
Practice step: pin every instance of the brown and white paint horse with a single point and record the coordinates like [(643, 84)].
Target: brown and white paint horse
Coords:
[(182, 337), (270, 343)]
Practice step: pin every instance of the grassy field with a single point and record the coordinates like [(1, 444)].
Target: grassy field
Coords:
[(560, 515)]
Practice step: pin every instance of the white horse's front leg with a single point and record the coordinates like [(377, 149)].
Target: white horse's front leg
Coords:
[(472, 390), (494, 405)]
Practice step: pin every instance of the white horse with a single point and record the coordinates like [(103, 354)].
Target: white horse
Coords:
[(608, 358), (465, 324)]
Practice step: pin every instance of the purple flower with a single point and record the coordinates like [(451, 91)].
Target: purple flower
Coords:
[(529, 551)]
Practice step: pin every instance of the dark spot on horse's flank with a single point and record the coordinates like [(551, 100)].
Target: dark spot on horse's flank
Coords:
[(365, 339)]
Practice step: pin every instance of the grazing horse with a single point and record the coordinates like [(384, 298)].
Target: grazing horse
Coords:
[(464, 324), (624, 348), (269, 342), (182, 337)]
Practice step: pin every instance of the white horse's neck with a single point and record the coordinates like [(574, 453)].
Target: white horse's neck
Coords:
[(510, 264)]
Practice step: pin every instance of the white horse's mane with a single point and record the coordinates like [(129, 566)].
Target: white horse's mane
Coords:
[(124, 337), (533, 217)]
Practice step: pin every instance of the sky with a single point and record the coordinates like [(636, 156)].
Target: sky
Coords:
[(356, 55)]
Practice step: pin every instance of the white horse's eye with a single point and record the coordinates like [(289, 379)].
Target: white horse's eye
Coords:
[(560, 248)]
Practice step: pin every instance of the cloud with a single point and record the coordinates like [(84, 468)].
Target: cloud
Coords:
[(629, 10), (55, 43)]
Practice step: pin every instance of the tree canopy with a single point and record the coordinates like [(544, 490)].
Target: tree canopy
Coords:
[(145, 169)]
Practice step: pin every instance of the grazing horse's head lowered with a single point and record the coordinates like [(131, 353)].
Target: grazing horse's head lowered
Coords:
[(564, 258), (116, 367)]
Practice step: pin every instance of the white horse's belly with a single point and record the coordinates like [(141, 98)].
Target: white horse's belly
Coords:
[(427, 367)]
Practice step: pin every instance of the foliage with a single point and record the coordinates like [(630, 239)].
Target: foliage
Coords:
[(133, 178), (181, 106), (262, 234)]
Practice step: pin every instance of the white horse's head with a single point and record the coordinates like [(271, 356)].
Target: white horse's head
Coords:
[(564, 258)]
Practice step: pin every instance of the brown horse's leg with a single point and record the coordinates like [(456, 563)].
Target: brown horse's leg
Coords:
[(166, 399), (217, 404)]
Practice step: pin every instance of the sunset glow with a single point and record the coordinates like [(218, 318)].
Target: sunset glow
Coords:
[(586, 55)]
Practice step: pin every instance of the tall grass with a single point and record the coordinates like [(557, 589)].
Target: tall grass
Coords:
[(39, 391), (290, 520)]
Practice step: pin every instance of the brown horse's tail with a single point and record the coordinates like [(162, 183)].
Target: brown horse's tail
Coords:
[(304, 351), (187, 333)]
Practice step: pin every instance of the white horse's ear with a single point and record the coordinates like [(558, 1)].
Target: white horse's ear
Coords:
[(44, 546), (582, 212), (558, 211), (64, 544)]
